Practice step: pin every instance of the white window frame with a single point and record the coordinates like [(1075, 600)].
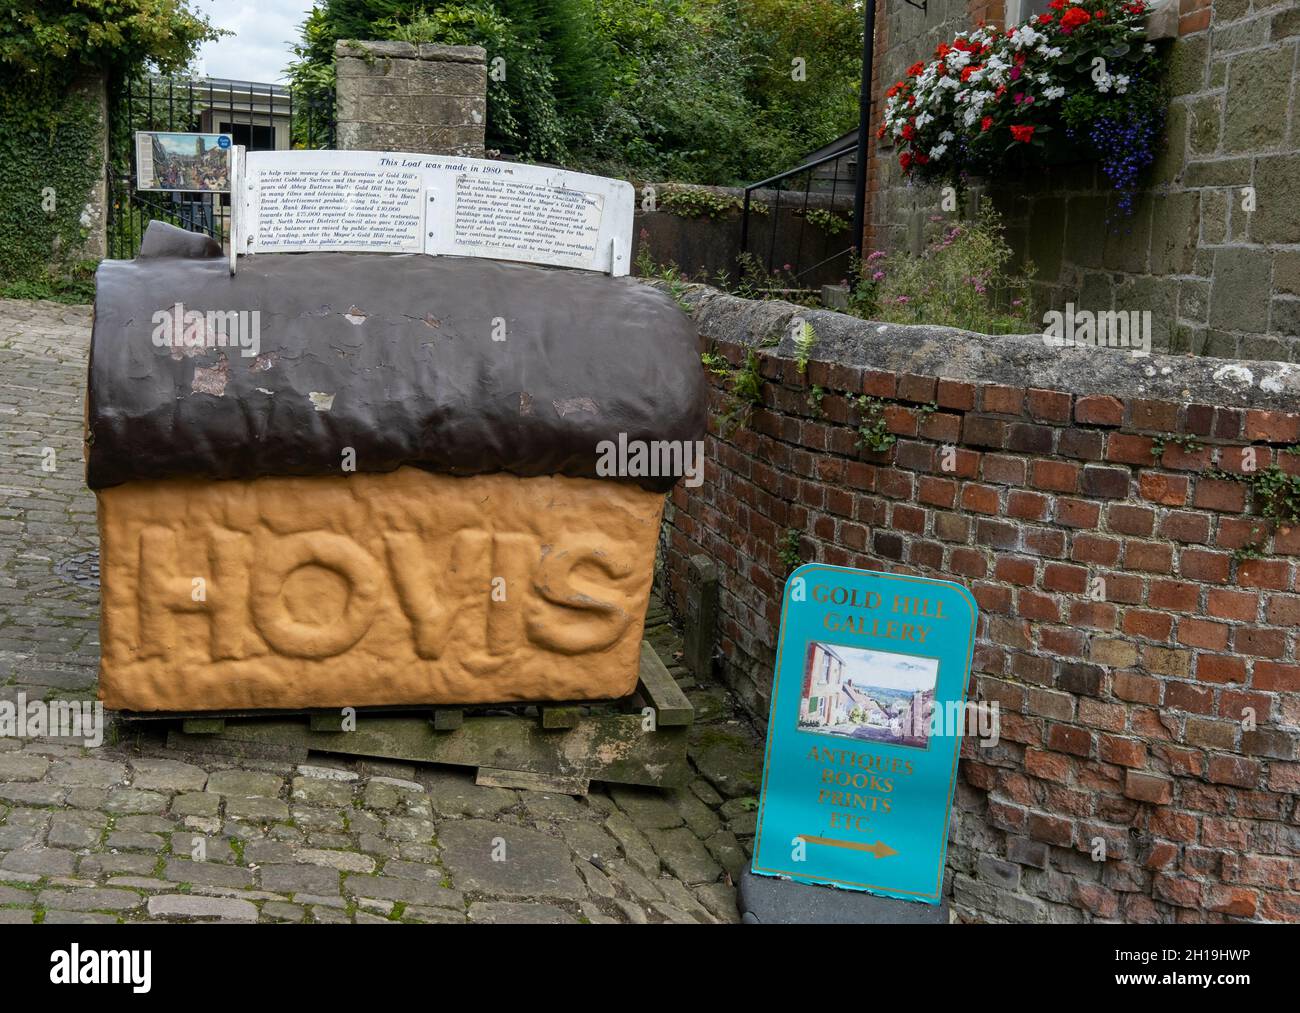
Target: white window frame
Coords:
[(1015, 12)]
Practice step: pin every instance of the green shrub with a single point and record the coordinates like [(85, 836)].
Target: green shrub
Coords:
[(960, 280)]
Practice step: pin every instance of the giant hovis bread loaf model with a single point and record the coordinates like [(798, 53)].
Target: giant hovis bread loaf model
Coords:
[(397, 498)]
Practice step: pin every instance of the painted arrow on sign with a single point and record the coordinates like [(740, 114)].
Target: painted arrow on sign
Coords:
[(880, 849)]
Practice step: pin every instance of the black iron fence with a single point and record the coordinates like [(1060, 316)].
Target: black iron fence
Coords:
[(815, 195), (259, 116)]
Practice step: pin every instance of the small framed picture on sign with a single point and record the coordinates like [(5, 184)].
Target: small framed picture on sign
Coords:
[(182, 161)]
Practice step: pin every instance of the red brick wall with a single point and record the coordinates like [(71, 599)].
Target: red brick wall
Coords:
[(1122, 717), (1193, 16)]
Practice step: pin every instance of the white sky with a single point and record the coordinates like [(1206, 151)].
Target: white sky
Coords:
[(260, 48), (886, 669)]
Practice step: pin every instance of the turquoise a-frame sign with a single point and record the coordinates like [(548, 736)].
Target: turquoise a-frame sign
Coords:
[(868, 706)]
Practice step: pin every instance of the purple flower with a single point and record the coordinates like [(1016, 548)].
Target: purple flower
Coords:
[(1125, 145)]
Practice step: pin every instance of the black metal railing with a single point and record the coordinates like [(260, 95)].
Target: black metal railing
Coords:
[(258, 116), (831, 188)]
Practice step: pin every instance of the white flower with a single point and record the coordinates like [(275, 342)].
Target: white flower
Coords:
[(923, 120), (1121, 83), (1054, 93), (1026, 36), (947, 135), (938, 150), (1148, 49)]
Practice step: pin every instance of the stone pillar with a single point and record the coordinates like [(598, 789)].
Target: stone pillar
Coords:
[(94, 215), (701, 616), (399, 96)]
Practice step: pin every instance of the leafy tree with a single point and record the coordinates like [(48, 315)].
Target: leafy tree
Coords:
[(693, 90), (50, 129), (58, 39)]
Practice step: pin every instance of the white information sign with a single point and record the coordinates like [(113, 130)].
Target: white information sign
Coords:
[(393, 202)]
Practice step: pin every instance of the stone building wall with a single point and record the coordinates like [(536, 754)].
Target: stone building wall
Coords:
[(1124, 714), (1219, 279), (399, 96)]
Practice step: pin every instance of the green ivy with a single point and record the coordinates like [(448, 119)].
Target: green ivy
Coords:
[(697, 202), (49, 147), (789, 548), (1277, 494), (873, 430), (828, 221), (1189, 445)]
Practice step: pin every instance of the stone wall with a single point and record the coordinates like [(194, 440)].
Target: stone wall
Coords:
[(1134, 605), (398, 96), (1219, 279)]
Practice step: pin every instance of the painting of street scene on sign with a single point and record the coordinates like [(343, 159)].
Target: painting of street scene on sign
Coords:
[(187, 162), (876, 696)]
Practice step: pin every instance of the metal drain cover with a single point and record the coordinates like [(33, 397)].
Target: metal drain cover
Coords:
[(81, 569)]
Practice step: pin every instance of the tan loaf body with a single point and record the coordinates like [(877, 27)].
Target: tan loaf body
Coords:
[(372, 589)]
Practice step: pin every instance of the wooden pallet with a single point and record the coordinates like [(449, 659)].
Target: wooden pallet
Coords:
[(559, 747)]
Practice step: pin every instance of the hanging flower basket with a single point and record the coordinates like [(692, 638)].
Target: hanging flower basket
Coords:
[(1077, 81)]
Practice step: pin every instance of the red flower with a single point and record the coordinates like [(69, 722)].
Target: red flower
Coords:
[(968, 70), (1001, 90), (905, 160), (922, 159), (880, 131), (1073, 18), (1056, 5), (942, 50), (1022, 133), (909, 132), (915, 69), (1136, 8), (1044, 19), (985, 123)]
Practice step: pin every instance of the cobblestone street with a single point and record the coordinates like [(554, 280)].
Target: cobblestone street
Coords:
[(110, 834)]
